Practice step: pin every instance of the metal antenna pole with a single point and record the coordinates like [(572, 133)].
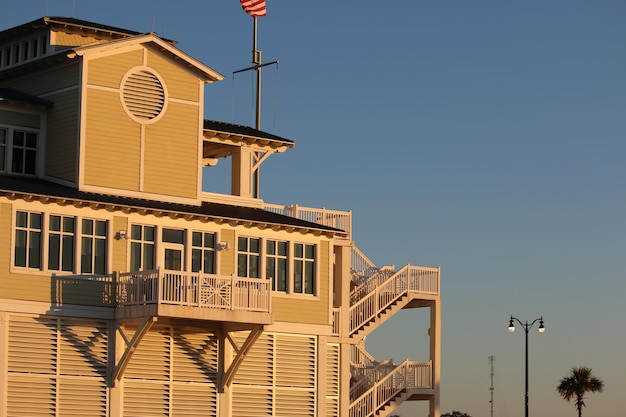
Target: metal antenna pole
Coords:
[(492, 361), (256, 59)]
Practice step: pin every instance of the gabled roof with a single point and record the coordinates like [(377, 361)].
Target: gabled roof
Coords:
[(68, 22), (36, 189), (209, 74)]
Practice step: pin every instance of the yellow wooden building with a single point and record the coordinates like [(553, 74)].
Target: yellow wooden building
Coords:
[(127, 290)]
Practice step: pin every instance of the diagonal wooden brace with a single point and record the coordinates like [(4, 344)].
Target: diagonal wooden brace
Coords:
[(241, 354), (131, 346)]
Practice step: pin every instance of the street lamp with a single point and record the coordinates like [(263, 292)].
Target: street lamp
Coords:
[(526, 328)]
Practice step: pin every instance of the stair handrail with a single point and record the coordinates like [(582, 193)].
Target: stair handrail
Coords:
[(412, 278), (407, 375), (360, 266), (369, 283), (370, 378)]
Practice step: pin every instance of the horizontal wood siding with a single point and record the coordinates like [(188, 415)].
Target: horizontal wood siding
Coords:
[(227, 257), (299, 309), (112, 143), (62, 136), (108, 71), (46, 80), (119, 247), (181, 84), (5, 243), (20, 119), (171, 152)]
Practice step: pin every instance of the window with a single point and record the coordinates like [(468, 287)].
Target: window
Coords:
[(303, 268), (248, 257), (18, 150), (28, 229), (142, 247), (174, 245), (24, 150), (276, 264), (203, 252), (93, 247), (61, 243)]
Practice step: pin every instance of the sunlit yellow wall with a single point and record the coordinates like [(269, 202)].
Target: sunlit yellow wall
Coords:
[(156, 157), (112, 143), (299, 309)]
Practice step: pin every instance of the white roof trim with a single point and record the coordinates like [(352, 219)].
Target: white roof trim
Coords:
[(209, 73)]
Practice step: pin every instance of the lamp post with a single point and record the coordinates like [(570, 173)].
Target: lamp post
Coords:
[(526, 328)]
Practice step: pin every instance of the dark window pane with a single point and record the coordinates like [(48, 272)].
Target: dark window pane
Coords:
[(209, 262), (270, 247), (100, 257), (86, 255), (196, 239), (20, 247), (174, 236), (101, 228), (54, 251), (21, 219), (209, 240), (68, 253), (34, 250), (135, 232), (148, 232), (55, 223), (35, 221), (282, 248), (135, 256), (254, 245), (87, 227), (242, 244), (242, 265), (196, 260), (148, 256), (68, 224)]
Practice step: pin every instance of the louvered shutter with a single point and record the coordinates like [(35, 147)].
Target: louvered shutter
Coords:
[(295, 375), (332, 380), (56, 367), (194, 369), (146, 380)]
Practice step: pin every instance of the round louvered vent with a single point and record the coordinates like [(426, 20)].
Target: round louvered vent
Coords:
[(143, 95)]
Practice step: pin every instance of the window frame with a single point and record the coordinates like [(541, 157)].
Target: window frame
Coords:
[(45, 242), (9, 148), (290, 289)]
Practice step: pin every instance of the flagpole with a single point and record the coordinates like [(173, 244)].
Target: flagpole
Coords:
[(256, 60)]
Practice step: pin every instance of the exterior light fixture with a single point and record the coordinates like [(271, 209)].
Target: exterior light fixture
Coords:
[(526, 328)]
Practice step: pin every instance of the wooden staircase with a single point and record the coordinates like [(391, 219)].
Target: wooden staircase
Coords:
[(379, 387), (382, 295)]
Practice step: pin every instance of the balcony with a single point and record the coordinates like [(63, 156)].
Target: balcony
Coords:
[(341, 220), (196, 296), (237, 303)]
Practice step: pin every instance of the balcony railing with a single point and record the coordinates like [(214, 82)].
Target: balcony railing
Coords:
[(193, 290), (408, 375), (409, 279), (341, 220)]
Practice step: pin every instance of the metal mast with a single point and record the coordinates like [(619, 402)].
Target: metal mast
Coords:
[(492, 361)]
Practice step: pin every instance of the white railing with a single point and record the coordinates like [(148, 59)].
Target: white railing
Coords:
[(361, 268), (414, 279), (360, 361), (406, 376), (341, 220), (193, 290)]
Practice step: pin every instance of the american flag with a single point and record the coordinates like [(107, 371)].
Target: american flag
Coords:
[(254, 8)]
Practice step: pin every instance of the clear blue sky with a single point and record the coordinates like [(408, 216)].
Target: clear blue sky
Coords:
[(485, 137)]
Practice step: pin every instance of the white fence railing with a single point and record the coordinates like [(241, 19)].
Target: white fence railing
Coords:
[(415, 279), (193, 290), (408, 375), (341, 220)]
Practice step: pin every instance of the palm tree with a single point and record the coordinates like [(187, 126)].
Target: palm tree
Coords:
[(575, 385)]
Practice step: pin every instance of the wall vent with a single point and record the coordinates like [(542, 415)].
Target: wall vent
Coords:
[(143, 95)]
